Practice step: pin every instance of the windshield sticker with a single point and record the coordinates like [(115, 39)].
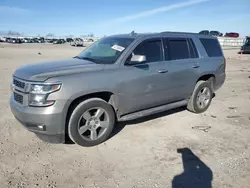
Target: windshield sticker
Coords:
[(118, 48)]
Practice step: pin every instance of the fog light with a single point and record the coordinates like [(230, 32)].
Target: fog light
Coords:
[(39, 100)]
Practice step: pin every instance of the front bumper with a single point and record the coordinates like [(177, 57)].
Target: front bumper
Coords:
[(48, 123)]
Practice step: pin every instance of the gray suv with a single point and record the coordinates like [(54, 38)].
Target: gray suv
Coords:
[(118, 78)]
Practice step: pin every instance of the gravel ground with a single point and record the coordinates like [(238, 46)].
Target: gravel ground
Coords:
[(171, 149)]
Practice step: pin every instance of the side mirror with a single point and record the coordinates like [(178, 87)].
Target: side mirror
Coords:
[(137, 59)]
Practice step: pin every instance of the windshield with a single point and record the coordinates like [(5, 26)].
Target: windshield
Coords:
[(106, 50)]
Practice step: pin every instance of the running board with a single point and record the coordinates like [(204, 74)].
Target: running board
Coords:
[(153, 110)]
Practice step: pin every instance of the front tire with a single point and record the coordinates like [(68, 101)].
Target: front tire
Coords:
[(201, 97), (91, 122)]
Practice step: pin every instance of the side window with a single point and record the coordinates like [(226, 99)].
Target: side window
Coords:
[(212, 47), (151, 49), (178, 49), (193, 49)]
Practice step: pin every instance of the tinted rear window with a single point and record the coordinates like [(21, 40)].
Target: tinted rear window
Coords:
[(178, 49), (212, 47)]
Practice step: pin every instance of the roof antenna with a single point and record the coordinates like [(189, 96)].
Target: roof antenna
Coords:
[(132, 33)]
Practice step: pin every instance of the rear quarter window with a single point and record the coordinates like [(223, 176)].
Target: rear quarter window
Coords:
[(212, 47)]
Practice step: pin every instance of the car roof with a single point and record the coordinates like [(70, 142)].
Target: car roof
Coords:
[(162, 34)]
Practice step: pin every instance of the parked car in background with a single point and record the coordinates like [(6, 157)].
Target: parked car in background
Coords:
[(4, 39), (118, 78), (77, 42), (58, 41), (38, 40), (41, 40), (34, 40), (69, 40), (215, 33), (232, 34), (49, 40), (15, 41), (246, 46), (212, 33), (88, 39), (204, 32), (25, 40), (7, 39)]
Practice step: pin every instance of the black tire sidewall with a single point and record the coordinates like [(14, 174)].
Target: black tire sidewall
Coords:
[(202, 85), (77, 113)]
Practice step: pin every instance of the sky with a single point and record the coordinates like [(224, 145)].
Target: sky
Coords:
[(107, 17)]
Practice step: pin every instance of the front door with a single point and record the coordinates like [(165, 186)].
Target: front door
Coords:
[(144, 85)]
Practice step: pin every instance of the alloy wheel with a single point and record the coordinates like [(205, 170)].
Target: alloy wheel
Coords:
[(203, 98), (93, 123)]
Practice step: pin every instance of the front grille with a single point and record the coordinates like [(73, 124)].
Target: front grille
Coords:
[(18, 83), (18, 98)]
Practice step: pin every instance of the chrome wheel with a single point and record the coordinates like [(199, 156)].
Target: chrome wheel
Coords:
[(203, 98), (93, 123)]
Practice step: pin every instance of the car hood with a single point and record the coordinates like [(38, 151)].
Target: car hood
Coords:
[(43, 71)]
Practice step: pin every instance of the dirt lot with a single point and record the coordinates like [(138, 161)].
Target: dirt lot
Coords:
[(211, 149)]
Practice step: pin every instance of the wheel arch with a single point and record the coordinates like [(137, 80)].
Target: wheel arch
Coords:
[(107, 96), (208, 77)]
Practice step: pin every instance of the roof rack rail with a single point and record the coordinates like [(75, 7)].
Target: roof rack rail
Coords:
[(174, 32)]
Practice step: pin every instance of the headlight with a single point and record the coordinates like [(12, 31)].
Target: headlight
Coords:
[(44, 88), (39, 94)]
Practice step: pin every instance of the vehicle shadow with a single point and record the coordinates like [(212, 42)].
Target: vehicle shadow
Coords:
[(243, 52), (121, 125), (196, 173)]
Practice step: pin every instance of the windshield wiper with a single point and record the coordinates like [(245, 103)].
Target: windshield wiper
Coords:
[(87, 58)]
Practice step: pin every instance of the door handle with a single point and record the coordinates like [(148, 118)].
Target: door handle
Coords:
[(163, 71), (196, 66)]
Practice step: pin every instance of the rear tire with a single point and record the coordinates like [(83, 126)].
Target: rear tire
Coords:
[(91, 122), (201, 97)]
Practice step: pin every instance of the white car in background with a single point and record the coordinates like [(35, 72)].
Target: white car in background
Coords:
[(2, 39), (88, 39), (77, 42)]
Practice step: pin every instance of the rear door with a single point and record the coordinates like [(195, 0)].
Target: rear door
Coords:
[(183, 67)]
